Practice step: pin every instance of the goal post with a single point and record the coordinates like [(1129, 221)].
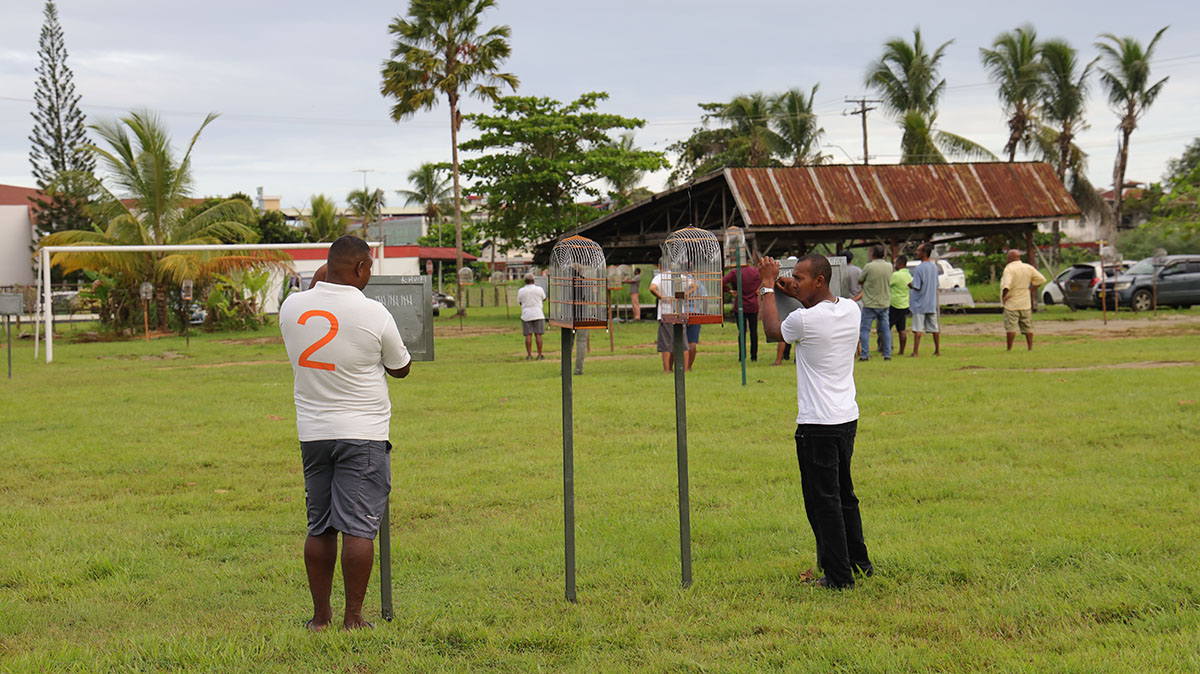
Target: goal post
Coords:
[(47, 307)]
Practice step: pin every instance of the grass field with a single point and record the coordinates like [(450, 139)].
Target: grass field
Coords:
[(1027, 512)]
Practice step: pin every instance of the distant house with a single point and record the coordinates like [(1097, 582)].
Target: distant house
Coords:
[(18, 221)]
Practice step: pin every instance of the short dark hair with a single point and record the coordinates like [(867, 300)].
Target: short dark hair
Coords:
[(877, 252), (844, 253), (901, 260), (347, 250), (818, 265)]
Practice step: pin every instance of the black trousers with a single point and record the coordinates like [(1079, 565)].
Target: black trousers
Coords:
[(824, 454), (752, 333)]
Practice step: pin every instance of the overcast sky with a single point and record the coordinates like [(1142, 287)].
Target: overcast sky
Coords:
[(297, 82)]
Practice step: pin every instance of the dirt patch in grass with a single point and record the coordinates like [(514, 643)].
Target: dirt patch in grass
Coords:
[(1143, 365), (236, 363), (165, 355), (447, 331), (1090, 327), (252, 341)]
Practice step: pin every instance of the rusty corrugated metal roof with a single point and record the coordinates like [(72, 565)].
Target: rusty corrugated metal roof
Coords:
[(851, 194)]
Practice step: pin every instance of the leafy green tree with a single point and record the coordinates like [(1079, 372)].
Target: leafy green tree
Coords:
[(156, 186), (62, 165), (1014, 66), (366, 205), (323, 222), (431, 191), (1181, 169), (273, 227), (440, 49), (540, 156), (906, 79), (1125, 77)]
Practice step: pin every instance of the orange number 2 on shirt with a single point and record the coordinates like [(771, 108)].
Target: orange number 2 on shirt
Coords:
[(333, 329)]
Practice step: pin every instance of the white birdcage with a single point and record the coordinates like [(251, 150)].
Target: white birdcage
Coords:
[(625, 272), (466, 277), (614, 278), (691, 279), (577, 285), (496, 277), (735, 240)]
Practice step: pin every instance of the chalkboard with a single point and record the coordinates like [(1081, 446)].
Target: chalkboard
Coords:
[(410, 301), (787, 305)]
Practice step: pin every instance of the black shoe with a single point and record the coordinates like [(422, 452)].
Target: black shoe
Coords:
[(865, 571), (827, 584)]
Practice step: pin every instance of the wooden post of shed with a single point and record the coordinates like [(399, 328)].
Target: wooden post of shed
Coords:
[(1031, 252)]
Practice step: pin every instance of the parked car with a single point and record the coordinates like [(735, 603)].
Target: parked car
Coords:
[(442, 300), (948, 276), (1178, 284), (1079, 281)]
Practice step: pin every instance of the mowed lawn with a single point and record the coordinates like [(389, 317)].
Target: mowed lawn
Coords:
[(1029, 512)]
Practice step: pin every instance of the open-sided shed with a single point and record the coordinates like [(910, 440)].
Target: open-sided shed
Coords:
[(795, 208)]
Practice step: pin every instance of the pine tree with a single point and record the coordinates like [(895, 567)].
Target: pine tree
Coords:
[(62, 165)]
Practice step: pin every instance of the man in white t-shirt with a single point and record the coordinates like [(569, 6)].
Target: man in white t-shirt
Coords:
[(533, 319), (824, 331), (340, 344)]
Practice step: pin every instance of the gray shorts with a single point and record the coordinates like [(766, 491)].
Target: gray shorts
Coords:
[(346, 485), (925, 322), (537, 327), (666, 337)]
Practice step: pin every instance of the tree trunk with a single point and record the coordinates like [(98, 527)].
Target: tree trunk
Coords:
[(1122, 158), (458, 250)]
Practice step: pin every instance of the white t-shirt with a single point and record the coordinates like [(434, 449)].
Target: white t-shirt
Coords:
[(667, 282), (825, 337), (339, 342), (658, 281), (530, 298)]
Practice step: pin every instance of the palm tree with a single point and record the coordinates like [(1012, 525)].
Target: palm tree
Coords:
[(368, 205), (906, 79), (1013, 64), (795, 125), (625, 182), (324, 223), (439, 50), (749, 118), (432, 191), (1062, 99), (156, 187), (1126, 78)]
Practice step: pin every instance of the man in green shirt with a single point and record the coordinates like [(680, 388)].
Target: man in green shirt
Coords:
[(876, 300), (898, 313)]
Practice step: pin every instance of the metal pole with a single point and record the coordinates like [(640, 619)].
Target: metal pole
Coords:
[(48, 308), (1155, 267), (608, 300), (685, 524), (146, 320), (8, 329), (37, 313), (568, 465), (741, 317), (506, 315), (385, 564)]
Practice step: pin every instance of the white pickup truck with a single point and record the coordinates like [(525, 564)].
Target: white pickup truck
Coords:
[(948, 277)]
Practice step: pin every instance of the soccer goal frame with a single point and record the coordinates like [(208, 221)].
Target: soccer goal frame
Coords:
[(46, 307)]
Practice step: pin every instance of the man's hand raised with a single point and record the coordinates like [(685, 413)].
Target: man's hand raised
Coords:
[(768, 271)]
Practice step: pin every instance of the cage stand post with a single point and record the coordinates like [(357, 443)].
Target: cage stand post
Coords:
[(685, 524), (608, 301), (8, 330), (568, 466), (741, 317), (385, 564)]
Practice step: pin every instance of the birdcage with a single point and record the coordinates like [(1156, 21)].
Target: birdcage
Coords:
[(735, 243), (577, 285), (614, 277), (496, 278), (625, 272), (466, 277), (691, 279)]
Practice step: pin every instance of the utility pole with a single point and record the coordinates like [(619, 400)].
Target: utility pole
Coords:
[(863, 110), (365, 215)]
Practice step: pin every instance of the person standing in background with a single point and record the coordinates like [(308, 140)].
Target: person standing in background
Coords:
[(898, 311), (635, 289), (750, 286), (876, 301), (923, 300), (1016, 293)]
